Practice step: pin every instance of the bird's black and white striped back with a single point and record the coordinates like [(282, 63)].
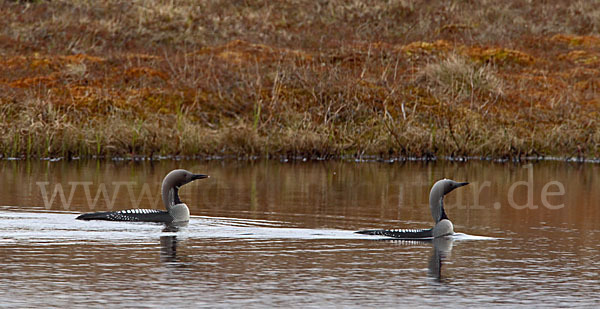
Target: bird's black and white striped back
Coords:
[(141, 215), (401, 233)]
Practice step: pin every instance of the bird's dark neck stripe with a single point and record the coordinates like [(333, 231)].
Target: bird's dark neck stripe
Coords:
[(176, 199), (443, 216), (443, 213)]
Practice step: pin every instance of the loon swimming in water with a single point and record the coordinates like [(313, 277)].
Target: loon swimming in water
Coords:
[(177, 211), (443, 226)]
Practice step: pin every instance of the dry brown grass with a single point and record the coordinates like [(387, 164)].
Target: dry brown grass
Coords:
[(302, 78)]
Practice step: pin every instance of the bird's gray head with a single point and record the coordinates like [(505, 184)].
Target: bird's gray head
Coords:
[(172, 182), (436, 197)]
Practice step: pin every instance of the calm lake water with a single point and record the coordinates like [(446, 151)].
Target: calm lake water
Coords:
[(267, 234)]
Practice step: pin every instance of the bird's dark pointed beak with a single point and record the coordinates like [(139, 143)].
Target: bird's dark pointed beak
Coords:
[(460, 184), (199, 176)]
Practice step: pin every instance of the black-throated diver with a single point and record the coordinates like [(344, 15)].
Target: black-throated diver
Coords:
[(177, 211), (443, 226)]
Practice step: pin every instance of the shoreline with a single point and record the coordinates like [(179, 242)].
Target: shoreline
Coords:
[(366, 159)]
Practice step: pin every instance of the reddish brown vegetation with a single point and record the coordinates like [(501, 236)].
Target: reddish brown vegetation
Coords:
[(299, 79)]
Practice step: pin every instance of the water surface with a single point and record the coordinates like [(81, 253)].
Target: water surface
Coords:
[(281, 234)]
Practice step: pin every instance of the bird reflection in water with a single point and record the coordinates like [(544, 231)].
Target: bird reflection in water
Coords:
[(442, 247), (168, 243)]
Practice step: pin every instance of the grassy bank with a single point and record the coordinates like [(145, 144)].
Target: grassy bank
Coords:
[(302, 78)]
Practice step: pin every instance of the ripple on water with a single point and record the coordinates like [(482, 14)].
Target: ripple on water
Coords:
[(237, 262)]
